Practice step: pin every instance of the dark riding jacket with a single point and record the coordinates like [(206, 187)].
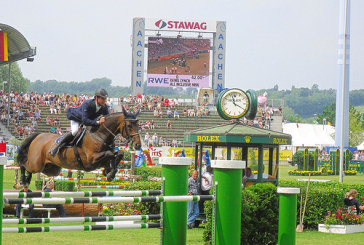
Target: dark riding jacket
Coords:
[(86, 113)]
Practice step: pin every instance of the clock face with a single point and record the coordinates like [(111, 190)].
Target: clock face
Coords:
[(234, 103)]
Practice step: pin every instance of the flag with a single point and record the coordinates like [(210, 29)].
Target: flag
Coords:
[(3, 46)]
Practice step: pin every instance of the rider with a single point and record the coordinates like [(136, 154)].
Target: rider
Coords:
[(86, 114)]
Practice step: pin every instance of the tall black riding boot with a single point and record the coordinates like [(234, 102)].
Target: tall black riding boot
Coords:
[(65, 139)]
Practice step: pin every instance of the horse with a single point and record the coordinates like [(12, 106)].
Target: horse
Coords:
[(94, 151)]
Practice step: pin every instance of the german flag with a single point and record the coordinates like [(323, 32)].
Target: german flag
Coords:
[(3, 46)]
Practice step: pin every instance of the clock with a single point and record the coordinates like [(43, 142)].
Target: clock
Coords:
[(232, 104), (252, 112)]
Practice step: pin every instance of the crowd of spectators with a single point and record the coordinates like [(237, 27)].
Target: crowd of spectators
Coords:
[(358, 155), (25, 110), (155, 141)]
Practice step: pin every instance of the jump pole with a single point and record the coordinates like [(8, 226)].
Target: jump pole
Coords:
[(287, 215), (175, 182), (228, 188), (3, 161)]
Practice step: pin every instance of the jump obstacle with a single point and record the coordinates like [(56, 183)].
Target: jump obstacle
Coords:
[(174, 202), (226, 200)]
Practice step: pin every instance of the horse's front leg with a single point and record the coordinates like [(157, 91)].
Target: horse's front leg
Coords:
[(102, 159), (115, 165), (25, 180)]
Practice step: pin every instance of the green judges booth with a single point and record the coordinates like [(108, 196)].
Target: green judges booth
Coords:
[(241, 137)]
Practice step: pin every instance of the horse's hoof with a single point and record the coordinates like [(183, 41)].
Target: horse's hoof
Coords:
[(110, 177)]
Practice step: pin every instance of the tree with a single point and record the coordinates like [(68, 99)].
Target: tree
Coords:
[(328, 114), (356, 129), (17, 82)]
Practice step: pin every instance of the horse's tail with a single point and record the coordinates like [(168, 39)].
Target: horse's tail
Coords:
[(24, 148)]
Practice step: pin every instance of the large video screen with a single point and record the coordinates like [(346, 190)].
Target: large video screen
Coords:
[(178, 62)]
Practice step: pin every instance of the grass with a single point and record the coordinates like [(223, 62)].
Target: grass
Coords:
[(152, 236), (120, 237), (354, 179)]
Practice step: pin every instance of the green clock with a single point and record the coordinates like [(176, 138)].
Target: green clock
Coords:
[(252, 112), (232, 104)]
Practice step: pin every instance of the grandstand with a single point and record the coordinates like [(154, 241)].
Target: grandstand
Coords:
[(179, 126)]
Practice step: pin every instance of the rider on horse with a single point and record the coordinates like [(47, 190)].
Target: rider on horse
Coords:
[(86, 114)]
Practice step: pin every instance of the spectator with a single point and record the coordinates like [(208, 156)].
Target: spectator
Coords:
[(192, 207), (350, 200), (59, 207), (146, 138), (206, 182), (169, 124), (175, 114), (174, 142), (161, 113), (155, 140), (169, 113), (152, 126), (247, 175), (185, 112), (19, 206), (59, 130), (206, 98)]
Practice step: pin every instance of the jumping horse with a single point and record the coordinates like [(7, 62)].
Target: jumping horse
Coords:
[(95, 150)]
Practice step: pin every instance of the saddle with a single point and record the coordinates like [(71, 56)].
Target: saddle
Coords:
[(76, 139)]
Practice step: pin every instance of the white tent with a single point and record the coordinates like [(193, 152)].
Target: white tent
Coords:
[(310, 135), (361, 146)]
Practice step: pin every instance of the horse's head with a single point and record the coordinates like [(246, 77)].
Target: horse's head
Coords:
[(130, 129)]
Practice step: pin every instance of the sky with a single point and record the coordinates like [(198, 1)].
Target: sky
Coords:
[(269, 42)]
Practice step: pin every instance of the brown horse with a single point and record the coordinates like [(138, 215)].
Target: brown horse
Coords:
[(95, 150)]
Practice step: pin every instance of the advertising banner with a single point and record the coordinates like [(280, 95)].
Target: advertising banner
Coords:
[(180, 25)]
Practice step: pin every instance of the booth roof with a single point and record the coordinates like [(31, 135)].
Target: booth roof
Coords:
[(237, 133)]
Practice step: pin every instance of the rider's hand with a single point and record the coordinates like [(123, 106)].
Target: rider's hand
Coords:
[(102, 120)]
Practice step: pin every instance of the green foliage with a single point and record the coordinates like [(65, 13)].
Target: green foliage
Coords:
[(356, 127), (146, 207), (253, 161), (78, 88), (101, 182), (17, 82), (322, 197), (58, 185), (115, 209), (259, 215), (145, 172), (298, 158)]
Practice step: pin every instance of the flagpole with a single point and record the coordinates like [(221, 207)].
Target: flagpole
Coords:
[(343, 92)]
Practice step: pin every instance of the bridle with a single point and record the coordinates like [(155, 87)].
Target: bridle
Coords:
[(124, 129)]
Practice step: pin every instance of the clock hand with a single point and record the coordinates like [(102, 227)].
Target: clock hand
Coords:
[(239, 106), (234, 101)]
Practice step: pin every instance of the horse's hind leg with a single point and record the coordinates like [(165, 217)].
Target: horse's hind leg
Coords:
[(22, 175), (28, 178)]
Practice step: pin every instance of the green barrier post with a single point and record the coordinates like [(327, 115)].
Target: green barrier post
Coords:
[(175, 183), (287, 215), (228, 187)]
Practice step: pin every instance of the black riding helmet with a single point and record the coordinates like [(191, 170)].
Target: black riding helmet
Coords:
[(101, 93)]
